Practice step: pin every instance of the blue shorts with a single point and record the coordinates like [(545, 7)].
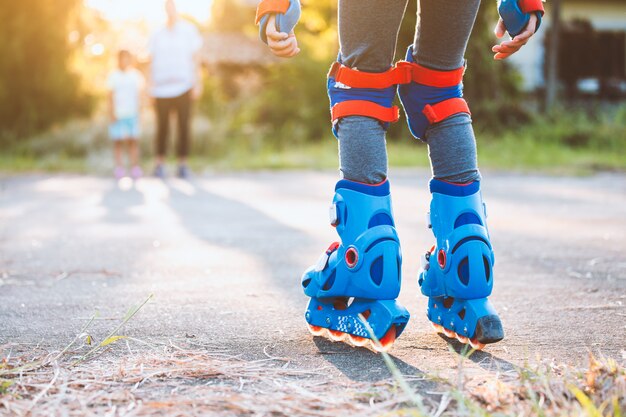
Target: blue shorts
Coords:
[(126, 128)]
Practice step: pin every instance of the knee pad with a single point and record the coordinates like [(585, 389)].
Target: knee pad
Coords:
[(287, 15), (460, 264), (358, 93), (430, 96)]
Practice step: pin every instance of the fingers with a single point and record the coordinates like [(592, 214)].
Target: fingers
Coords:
[(508, 48), (500, 56), (500, 29), (286, 48), (529, 30), (281, 44), (271, 31)]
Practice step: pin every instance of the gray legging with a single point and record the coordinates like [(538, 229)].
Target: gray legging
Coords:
[(368, 32)]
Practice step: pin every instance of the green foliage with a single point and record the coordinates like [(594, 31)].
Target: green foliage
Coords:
[(230, 16), (486, 80), (289, 104), (36, 87), (293, 112)]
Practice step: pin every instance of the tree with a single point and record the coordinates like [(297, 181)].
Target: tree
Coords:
[(36, 87)]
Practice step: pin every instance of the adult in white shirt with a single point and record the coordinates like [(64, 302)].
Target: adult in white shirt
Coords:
[(175, 81)]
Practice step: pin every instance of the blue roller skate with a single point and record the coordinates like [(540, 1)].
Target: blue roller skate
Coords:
[(457, 273), (359, 278)]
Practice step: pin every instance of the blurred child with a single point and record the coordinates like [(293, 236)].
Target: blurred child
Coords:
[(125, 86)]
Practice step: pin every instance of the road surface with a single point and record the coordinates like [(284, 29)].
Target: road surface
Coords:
[(223, 255)]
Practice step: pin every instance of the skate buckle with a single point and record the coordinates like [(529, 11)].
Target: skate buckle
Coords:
[(425, 261), (323, 260), (332, 214), (428, 222), (342, 86)]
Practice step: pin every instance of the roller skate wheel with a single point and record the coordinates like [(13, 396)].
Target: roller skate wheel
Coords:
[(336, 336), (386, 341), (438, 327), (316, 330), (357, 340), (450, 333), (476, 344), (462, 339)]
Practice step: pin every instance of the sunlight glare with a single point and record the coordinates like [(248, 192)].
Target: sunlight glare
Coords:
[(151, 11), (97, 49)]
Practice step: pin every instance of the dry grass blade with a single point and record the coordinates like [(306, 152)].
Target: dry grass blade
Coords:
[(184, 378), (112, 337), (414, 397)]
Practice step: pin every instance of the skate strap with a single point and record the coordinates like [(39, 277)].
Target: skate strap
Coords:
[(365, 108), (360, 79), (402, 73), (270, 6), (430, 77), (435, 113), (530, 6), (323, 259)]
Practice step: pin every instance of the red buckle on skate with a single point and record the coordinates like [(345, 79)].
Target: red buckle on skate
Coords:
[(435, 113), (359, 79), (365, 108), (333, 247), (431, 77), (530, 6), (271, 6)]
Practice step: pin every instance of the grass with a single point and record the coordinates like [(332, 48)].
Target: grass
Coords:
[(122, 375), (511, 154), (564, 143), (185, 378)]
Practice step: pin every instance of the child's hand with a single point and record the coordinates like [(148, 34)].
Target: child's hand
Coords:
[(508, 48), (280, 43)]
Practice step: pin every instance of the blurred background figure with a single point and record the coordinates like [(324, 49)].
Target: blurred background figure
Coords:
[(557, 105), (175, 81), (125, 85)]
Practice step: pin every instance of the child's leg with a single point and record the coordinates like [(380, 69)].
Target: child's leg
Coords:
[(133, 151), (368, 31), (117, 153), (119, 171), (133, 154), (361, 274), (441, 36), (457, 272)]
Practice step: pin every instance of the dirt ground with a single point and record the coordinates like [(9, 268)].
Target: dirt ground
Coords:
[(223, 255)]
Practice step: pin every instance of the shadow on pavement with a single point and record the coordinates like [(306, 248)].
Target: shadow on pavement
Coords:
[(363, 365), (232, 224), (485, 360), (118, 201)]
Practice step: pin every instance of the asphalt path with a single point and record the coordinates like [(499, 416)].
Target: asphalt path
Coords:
[(223, 255)]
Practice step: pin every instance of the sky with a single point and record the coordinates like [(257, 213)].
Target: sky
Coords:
[(150, 10)]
